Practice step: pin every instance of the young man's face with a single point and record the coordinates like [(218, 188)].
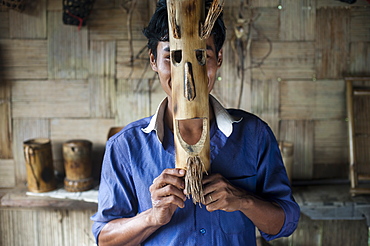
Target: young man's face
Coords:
[(162, 64)]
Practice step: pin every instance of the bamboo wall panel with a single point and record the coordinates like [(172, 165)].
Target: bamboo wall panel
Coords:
[(360, 25), (102, 79), (266, 23), (68, 56), (303, 12), (4, 24), (140, 67), (340, 4), (7, 170), (137, 99), (301, 134), (102, 58), (263, 3), (23, 59), (24, 129), (46, 227), (103, 104), (230, 88), (29, 24), (111, 24), (51, 98), (53, 5), (293, 63), (265, 102), (361, 106), (332, 43), (359, 57), (312, 100), (5, 121), (330, 149)]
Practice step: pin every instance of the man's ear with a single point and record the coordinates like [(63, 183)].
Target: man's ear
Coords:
[(153, 63), (219, 58)]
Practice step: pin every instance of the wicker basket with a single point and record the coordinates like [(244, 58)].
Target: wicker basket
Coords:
[(18, 5), (75, 12)]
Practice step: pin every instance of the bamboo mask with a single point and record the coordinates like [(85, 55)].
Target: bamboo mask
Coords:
[(188, 32)]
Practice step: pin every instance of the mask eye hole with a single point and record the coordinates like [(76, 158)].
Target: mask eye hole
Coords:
[(176, 57), (201, 56)]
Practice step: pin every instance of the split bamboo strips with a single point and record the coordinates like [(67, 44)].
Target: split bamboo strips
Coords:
[(226, 89), (361, 112), (68, 56), (110, 24), (4, 25), (287, 60), (267, 24), (261, 3), (303, 12), (102, 79), (330, 149), (23, 59), (360, 25), (54, 5), (52, 98), (103, 104), (359, 57), (29, 24), (5, 121), (301, 133), (332, 43), (341, 4), (57, 227), (103, 58), (265, 102), (7, 170), (137, 99), (139, 68), (312, 100)]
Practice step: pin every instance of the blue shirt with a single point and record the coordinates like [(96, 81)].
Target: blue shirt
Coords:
[(243, 149)]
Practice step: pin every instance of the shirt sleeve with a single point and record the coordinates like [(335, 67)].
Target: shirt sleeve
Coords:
[(116, 197), (273, 183)]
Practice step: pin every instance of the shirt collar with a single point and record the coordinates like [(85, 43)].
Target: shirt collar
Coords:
[(223, 118)]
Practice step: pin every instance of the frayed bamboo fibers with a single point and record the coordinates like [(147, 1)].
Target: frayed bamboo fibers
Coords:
[(193, 179), (213, 13)]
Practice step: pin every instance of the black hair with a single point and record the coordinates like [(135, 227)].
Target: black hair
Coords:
[(157, 29)]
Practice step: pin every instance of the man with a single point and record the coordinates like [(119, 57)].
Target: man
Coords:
[(141, 195)]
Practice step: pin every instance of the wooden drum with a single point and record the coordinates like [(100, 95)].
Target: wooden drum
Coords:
[(39, 165), (78, 165)]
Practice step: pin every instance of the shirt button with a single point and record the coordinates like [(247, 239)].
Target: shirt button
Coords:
[(203, 231)]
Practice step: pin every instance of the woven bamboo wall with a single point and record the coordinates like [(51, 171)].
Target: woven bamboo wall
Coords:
[(286, 66)]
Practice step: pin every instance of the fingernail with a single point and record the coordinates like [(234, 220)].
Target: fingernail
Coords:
[(182, 171)]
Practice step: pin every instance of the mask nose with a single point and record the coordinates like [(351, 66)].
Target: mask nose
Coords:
[(189, 85)]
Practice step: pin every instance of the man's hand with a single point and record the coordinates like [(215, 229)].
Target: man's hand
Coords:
[(167, 193), (221, 195)]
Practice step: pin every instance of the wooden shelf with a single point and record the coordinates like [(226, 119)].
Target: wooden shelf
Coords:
[(17, 197)]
